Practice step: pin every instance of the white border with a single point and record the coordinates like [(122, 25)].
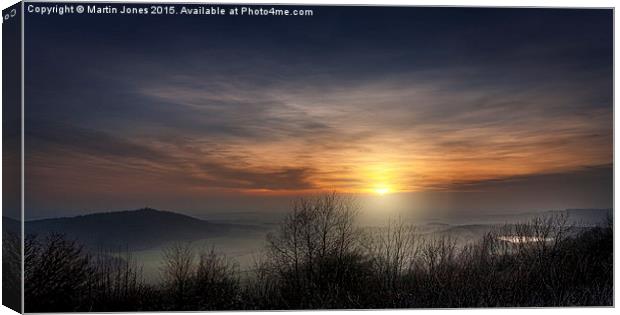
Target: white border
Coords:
[(477, 3)]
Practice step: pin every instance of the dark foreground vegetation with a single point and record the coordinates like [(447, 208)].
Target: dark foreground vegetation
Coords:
[(11, 269), (319, 259)]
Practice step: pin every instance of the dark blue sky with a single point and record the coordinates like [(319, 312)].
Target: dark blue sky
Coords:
[(210, 113)]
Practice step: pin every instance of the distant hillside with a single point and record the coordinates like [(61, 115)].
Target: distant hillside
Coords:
[(588, 217), (577, 217), (137, 229)]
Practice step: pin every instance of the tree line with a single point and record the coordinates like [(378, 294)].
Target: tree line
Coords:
[(318, 258)]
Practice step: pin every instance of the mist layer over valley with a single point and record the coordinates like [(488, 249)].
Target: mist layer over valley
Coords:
[(318, 255), (241, 237)]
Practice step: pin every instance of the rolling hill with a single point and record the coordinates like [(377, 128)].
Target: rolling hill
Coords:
[(135, 230)]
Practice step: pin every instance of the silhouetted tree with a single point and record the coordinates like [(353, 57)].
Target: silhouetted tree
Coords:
[(118, 284), (315, 252), (393, 251), (177, 269), (57, 275), (318, 259), (216, 283), (208, 282)]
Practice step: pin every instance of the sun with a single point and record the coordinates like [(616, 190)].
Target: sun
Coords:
[(382, 190)]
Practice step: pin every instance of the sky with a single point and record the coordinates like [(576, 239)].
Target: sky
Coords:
[(454, 109)]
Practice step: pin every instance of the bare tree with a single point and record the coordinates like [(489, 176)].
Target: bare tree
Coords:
[(216, 284), (118, 284), (177, 269), (57, 274), (316, 249), (393, 250), (318, 227)]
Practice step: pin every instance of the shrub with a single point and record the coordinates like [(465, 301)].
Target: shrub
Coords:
[(57, 274)]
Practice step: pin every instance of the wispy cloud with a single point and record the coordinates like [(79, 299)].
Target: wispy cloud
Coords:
[(421, 126), (419, 107)]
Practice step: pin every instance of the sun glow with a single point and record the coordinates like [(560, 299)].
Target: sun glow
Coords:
[(380, 178), (382, 190)]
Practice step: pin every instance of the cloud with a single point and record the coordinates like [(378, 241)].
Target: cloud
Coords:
[(426, 107), (67, 149), (87, 141), (263, 179), (591, 178)]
